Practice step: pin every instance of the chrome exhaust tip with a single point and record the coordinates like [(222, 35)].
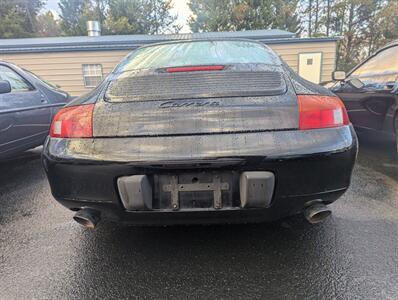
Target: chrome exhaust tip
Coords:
[(317, 213), (87, 217)]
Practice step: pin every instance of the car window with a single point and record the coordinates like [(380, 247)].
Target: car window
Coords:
[(379, 69), (197, 53), (18, 84), (44, 82)]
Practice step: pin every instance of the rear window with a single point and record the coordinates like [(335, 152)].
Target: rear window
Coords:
[(197, 53)]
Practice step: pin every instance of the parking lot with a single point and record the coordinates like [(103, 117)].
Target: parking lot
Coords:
[(353, 255)]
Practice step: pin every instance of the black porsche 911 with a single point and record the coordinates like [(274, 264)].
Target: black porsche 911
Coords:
[(201, 131)]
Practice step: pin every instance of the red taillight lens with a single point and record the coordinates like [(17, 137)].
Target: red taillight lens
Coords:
[(194, 69), (73, 122), (321, 112)]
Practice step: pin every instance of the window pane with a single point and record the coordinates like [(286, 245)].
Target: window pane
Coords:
[(198, 53), (92, 81), (18, 84), (92, 75), (380, 69), (44, 82)]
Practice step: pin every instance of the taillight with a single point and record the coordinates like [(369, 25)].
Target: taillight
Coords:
[(73, 122), (321, 112), (195, 69)]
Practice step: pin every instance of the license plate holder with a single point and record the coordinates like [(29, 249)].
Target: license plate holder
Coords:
[(216, 186)]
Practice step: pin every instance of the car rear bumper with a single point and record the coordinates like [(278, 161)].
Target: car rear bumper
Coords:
[(308, 165)]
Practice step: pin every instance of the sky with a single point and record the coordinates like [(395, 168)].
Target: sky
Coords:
[(180, 8), (183, 11)]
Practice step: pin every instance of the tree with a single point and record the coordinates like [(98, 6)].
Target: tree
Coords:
[(389, 20), (47, 25), (355, 18), (73, 20), (364, 25), (18, 17), (231, 15), (75, 14), (259, 14), (314, 13), (159, 19), (327, 18), (383, 25), (140, 17), (286, 16), (100, 7), (210, 15)]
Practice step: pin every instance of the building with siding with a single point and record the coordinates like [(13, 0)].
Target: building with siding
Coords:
[(77, 64)]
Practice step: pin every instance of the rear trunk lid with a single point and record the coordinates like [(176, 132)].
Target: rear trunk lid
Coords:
[(237, 99)]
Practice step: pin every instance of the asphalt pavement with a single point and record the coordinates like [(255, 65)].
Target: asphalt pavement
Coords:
[(352, 255)]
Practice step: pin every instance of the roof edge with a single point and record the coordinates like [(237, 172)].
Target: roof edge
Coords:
[(131, 45)]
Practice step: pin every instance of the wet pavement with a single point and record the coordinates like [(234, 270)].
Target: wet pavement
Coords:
[(353, 255)]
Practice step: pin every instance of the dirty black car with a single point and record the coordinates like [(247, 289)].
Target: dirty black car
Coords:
[(202, 131)]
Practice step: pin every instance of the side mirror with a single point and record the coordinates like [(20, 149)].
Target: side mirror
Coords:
[(5, 87), (356, 83), (338, 75)]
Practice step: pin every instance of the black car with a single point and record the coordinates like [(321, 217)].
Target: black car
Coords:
[(370, 93), (27, 106), (201, 131)]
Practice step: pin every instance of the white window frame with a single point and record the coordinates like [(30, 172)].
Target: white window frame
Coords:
[(91, 71)]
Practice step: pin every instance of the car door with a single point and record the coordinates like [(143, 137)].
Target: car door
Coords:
[(24, 114), (373, 106), (367, 108)]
